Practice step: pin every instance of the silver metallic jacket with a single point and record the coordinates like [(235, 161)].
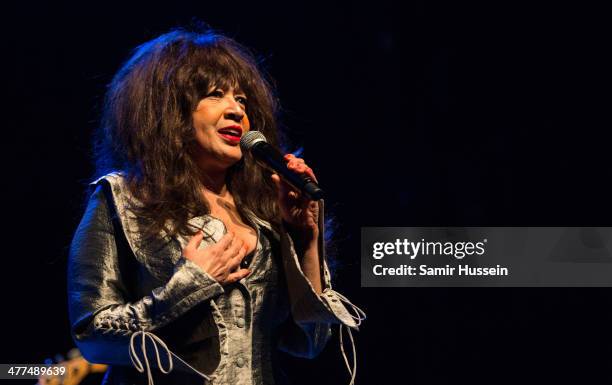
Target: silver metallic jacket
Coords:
[(142, 307)]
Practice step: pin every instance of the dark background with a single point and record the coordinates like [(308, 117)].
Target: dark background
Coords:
[(411, 113)]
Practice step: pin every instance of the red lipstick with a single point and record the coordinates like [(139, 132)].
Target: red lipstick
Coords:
[(231, 133)]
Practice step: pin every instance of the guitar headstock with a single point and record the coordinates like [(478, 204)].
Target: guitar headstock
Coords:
[(77, 368)]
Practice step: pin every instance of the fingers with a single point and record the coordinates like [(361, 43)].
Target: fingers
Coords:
[(298, 165), (284, 189), (222, 259), (226, 240), (195, 240), (238, 275), (237, 259), (276, 179), (236, 246)]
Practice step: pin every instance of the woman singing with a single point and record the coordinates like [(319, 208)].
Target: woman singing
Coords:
[(193, 264)]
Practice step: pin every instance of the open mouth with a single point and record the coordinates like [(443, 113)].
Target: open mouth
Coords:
[(232, 133)]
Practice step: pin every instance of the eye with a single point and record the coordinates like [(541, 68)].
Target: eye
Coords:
[(218, 93), (242, 100)]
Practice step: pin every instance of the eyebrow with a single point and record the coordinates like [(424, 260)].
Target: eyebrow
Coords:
[(237, 90)]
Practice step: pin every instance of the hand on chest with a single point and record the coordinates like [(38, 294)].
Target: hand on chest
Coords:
[(226, 211)]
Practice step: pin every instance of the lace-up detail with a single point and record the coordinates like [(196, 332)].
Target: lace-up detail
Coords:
[(116, 326), (138, 363), (358, 316)]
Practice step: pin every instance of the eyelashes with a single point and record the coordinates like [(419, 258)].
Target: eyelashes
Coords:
[(219, 93), (215, 93)]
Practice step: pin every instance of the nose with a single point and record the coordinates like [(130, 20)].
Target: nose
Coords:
[(234, 111)]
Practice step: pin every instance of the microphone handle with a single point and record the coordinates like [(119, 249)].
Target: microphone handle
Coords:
[(270, 158)]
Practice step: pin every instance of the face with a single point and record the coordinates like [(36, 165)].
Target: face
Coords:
[(219, 121)]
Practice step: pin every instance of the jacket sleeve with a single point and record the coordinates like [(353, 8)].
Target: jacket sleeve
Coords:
[(102, 320), (307, 330)]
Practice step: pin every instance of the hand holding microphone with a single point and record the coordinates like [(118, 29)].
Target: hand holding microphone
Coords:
[(300, 211), (266, 155)]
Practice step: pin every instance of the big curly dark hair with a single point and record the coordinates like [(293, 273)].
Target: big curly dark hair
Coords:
[(146, 129)]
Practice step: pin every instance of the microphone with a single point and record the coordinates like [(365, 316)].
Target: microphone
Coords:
[(267, 156)]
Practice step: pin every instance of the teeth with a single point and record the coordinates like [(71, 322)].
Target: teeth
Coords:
[(230, 132)]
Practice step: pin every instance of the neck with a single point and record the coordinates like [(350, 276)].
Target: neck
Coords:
[(214, 182)]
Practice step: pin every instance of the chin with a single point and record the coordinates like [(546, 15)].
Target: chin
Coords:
[(233, 159)]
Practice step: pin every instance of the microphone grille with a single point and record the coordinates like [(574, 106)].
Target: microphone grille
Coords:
[(249, 139)]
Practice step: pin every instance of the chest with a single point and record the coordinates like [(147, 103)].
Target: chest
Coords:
[(234, 223)]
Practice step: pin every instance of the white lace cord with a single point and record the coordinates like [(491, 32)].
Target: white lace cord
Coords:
[(138, 363), (353, 371), (358, 315), (155, 339)]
